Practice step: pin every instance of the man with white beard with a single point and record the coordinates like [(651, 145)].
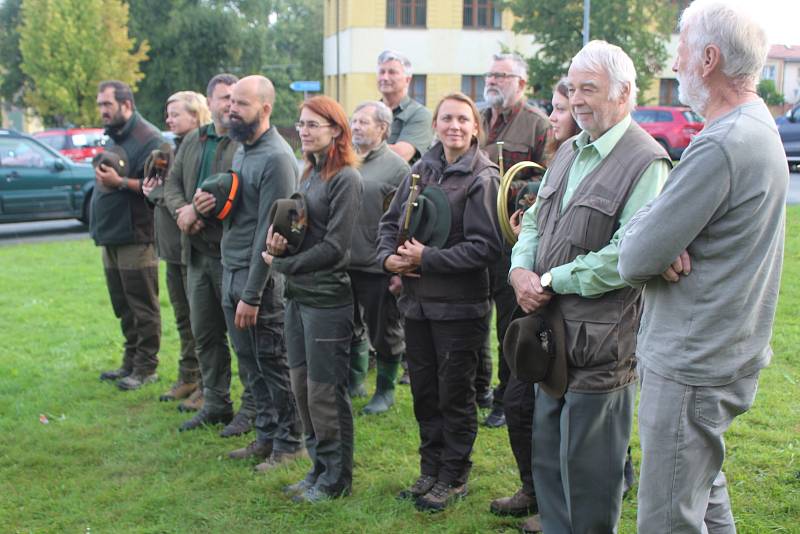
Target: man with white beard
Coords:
[(709, 250)]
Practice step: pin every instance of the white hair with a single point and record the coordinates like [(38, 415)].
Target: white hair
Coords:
[(519, 65), (380, 114), (600, 56), (393, 55), (742, 41)]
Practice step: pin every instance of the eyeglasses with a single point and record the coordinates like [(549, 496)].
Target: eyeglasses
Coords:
[(311, 126), (501, 75)]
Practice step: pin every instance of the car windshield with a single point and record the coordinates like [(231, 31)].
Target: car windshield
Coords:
[(691, 116), (88, 139), (56, 142)]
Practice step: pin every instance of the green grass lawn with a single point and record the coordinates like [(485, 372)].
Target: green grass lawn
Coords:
[(112, 461)]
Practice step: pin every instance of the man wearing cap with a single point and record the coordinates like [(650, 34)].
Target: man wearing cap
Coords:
[(204, 152), (411, 134), (375, 307), (710, 251), (252, 296), (566, 260), (521, 128), (122, 223)]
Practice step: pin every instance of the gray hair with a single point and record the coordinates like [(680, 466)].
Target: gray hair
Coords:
[(742, 41), (600, 56), (380, 114), (224, 79), (393, 55), (519, 65)]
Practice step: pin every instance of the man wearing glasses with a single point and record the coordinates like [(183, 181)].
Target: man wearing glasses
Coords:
[(411, 133), (522, 129)]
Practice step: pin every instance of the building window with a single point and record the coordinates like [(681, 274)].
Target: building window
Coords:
[(401, 13), (668, 92), (482, 14), (472, 86), (768, 72), (417, 88)]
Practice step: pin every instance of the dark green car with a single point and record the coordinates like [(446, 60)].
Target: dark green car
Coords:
[(38, 183)]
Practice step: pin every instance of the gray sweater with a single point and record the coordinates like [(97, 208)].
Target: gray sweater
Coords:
[(725, 204), (268, 171), (381, 171)]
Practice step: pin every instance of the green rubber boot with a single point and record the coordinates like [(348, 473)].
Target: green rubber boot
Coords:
[(359, 362), (383, 399)]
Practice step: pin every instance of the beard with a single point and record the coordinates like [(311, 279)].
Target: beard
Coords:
[(692, 91), (242, 131), (116, 121), (222, 118), (494, 97)]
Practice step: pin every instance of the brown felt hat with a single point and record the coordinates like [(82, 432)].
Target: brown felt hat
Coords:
[(289, 218), (535, 349), (114, 157)]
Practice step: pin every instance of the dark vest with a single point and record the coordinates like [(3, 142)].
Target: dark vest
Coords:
[(600, 332)]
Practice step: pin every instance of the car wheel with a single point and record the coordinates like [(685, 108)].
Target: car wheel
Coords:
[(86, 216)]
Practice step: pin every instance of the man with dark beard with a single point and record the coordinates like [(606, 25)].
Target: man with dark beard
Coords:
[(122, 223), (206, 151), (709, 250), (252, 296)]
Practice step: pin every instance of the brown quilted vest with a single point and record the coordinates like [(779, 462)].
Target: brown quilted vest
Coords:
[(600, 332)]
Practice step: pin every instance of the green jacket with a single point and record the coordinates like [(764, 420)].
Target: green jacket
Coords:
[(168, 236), (181, 183)]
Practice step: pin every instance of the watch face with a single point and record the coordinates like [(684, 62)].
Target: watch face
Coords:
[(547, 279)]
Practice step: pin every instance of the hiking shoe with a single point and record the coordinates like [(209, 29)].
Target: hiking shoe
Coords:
[(298, 487), (194, 403), (440, 497), (419, 488), (278, 458), (115, 374), (179, 390), (203, 418), (136, 380), (532, 524), (496, 418), (315, 494), (255, 449), (518, 505), (241, 424)]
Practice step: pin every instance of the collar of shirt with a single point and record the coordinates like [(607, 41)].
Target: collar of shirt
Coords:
[(606, 142), (211, 131), (375, 152)]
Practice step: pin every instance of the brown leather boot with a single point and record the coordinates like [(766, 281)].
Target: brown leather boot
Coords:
[(532, 524), (256, 449), (179, 390), (194, 403), (520, 504)]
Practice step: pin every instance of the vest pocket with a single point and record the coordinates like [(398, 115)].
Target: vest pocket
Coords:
[(594, 220), (592, 332)]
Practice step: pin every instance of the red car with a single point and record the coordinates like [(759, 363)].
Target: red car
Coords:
[(78, 144), (672, 127)]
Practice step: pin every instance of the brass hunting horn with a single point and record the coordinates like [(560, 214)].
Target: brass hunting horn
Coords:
[(506, 180)]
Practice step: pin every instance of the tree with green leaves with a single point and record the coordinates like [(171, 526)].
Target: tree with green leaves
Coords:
[(769, 92), (12, 79), (67, 47), (640, 27)]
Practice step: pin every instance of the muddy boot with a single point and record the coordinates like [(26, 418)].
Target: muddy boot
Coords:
[(359, 360), (383, 399)]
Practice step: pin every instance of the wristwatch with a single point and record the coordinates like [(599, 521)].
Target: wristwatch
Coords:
[(123, 185), (547, 281)]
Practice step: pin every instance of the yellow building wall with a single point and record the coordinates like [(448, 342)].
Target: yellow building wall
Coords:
[(652, 94), (354, 88), (445, 14), (354, 14), (440, 85)]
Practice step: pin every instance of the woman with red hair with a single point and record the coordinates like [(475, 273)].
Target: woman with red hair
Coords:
[(319, 307)]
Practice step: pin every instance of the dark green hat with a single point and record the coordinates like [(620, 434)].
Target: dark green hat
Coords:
[(535, 348), (114, 157), (226, 188), (289, 218), (430, 218)]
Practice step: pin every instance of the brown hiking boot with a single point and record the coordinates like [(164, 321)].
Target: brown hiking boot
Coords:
[(255, 449), (440, 497), (420, 487), (136, 380), (532, 524), (518, 505), (278, 458), (194, 403), (241, 424), (179, 390), (203, 418)]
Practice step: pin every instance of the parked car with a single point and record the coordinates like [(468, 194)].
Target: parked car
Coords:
[(78, 144), (672, 127), (38, 183), (789, 128)]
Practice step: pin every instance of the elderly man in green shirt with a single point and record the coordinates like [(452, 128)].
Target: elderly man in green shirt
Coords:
[(566, 258)]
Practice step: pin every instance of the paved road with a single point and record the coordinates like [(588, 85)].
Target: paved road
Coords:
[(12, 234)]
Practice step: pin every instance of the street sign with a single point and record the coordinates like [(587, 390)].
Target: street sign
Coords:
[(305, 86)]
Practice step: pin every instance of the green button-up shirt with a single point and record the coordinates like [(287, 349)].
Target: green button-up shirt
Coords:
[(595, 273), (209, 150)]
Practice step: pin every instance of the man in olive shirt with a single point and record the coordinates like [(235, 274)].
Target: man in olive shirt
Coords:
[(411, 133), (206, 151), (566, 258), (374, 306), (252, 295)]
